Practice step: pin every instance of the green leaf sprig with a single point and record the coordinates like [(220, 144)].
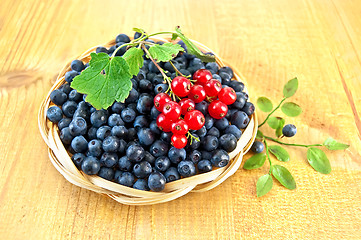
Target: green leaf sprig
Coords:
[(315, 156)]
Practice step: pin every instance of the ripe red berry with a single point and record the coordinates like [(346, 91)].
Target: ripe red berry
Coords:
[(217, 109), (227, 95), (197, 93), (172, 110), (195, 119), (187, 105), (164, 123), (212, 87), (181, 86), (179, 141), (160, 99), (180, 127), (202, 76)]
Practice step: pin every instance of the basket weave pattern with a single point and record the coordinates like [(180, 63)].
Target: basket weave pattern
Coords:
[(61, 159)]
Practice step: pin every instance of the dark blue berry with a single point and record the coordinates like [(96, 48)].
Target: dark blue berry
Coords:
[(237, 86), (232, 129), (177, 154), (289, 130), (209, 121), (217, 77), (194, 144), (99, 118), (166, 136), (142, 169), (160, 88), (158, 79), (186, 168), (145, 85), (128, 115), (132, 134), (248, 108), (90, 165), (257, 147), (65, 135), (106, 173), (195, 156), (78, 126), (122, 38), (135, 153), (162, 164), (137, 35), (145, 103), (146, 136), (202, 132), (141, 184), (134, 83), (124, 164), (154, 128), (65, 88), (202, 107), (95, 148), (120, 51), (117, 174), (133, 106), (111, 144), (79, 144), (206, 155), (92, 133), (69, 76), (117, 107), (115, 120), (126, 179), (141, 122), (54, 114), (58, 97), (133, 96), (152, 67), (154, 113), (142, 74), (103, 132), (156, 181), (83, 111), (109, 159), (220, 158), (240, 101), (226, 78), (78, 159), (171, 174), (213, 132), (240, 119), (221, 124), (101, 49), (77, 65), (228, 142), (158, 148), (69, 108), (122, 146), (227, 70), (119, 132), (212, 67), (64, 122), (149, 157), (204, 166), (210, 143)]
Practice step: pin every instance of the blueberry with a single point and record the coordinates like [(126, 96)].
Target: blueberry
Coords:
[(146, 136), (106, 173), (134, 83), (289, 130), (206, 155), (79, 144), (133, 96), (122, 38), (117, 174), (150, 75), (82, 110), (212, 67), (230, 113), (119, 131), (169, 67), (133, 106), (226, 78), (177, 154), (257, 147), (115, 120), (141, 122), (90, 165), (141, 184), (228, 142), (202, 107), (145, 104), (142, 169), (78, 126), (103, 132), (166, 136), (209, 121), (77, 65), (128, 115), (126, 179), (158, 148), (145, 86), (156, 181), (124, 164), (152, 67), (154, 113), (194, 144), (137, 35), (248, 108), (204, 166), (213, 132), (122, 146), (237, 86), (221, 124), (54, 114), (154, 128), (171, 174), (162, 164), (240, 101), (101, 49), (158, 79), (210, 143), (195, 156), (65, 88), (98, 118), (149, 157), (135, 153), (232, 129), (132, 134), (142, 74), (202, 132), (117, 107), (69, 108), (217, 77), (78, 159), (58, 97), (92, 133), (111, 144), (160, 88), (227, 70), (186, 168), (95, 148), (65, 135), (220, 158), (240, 119), (69, 76)]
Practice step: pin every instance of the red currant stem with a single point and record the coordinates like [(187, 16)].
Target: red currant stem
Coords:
[(189, 135), (272, 112), (293, 144), (268, 157), (177, 71), (158, 33)]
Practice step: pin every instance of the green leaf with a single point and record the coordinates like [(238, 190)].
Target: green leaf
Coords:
[(280, 153), (279, 131), (290, 88), (256, 161), (318, 160), (276, 122), (291, 109), (138, 30), (174, 36), (103, 89), (192, 48), (165, 52), (283, 176), (264, 185), (260, 135), (264, 104), (332, 144), (134, 58)]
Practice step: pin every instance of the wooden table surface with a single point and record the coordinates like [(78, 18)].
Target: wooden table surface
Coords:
[(319, 41)]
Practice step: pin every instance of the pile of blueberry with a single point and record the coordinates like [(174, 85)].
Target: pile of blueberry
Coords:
[(125, 143)]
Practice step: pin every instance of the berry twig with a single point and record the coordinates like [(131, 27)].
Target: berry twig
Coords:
[(176, 69), (268, 116), (293, 144), (268, 157)]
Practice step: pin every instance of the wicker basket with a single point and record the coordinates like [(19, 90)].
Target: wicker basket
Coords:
[(61, 159)]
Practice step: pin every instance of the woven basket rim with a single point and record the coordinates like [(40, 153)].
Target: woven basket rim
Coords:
[(61, 159)]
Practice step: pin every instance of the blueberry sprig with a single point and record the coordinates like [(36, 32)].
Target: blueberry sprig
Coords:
[(315, 156)]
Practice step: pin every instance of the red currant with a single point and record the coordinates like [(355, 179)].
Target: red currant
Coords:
[(180, 127), (187, 105), (217, 109), (212, 87), (160, 99), (195, 119), (179, 141), (227, 95), (181, 86), (164, 123), (202, 76), (197, 93), (172, 110)]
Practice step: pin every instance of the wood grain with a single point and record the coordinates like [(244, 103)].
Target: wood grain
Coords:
[(268, 41)]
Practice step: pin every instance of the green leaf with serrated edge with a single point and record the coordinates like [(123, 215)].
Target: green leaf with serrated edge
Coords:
[(264, 185), (283, 176), (332, 144), (318, 160), (275, 122), (256, 161), (165, 52), (290, 88), (264, 104), (174, 36), (134, 58), (291, 109), (192, 48), (259, 135), (279, 152), (103, 89)]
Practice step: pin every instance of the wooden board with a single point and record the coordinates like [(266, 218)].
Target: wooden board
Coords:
[(268, 41)]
